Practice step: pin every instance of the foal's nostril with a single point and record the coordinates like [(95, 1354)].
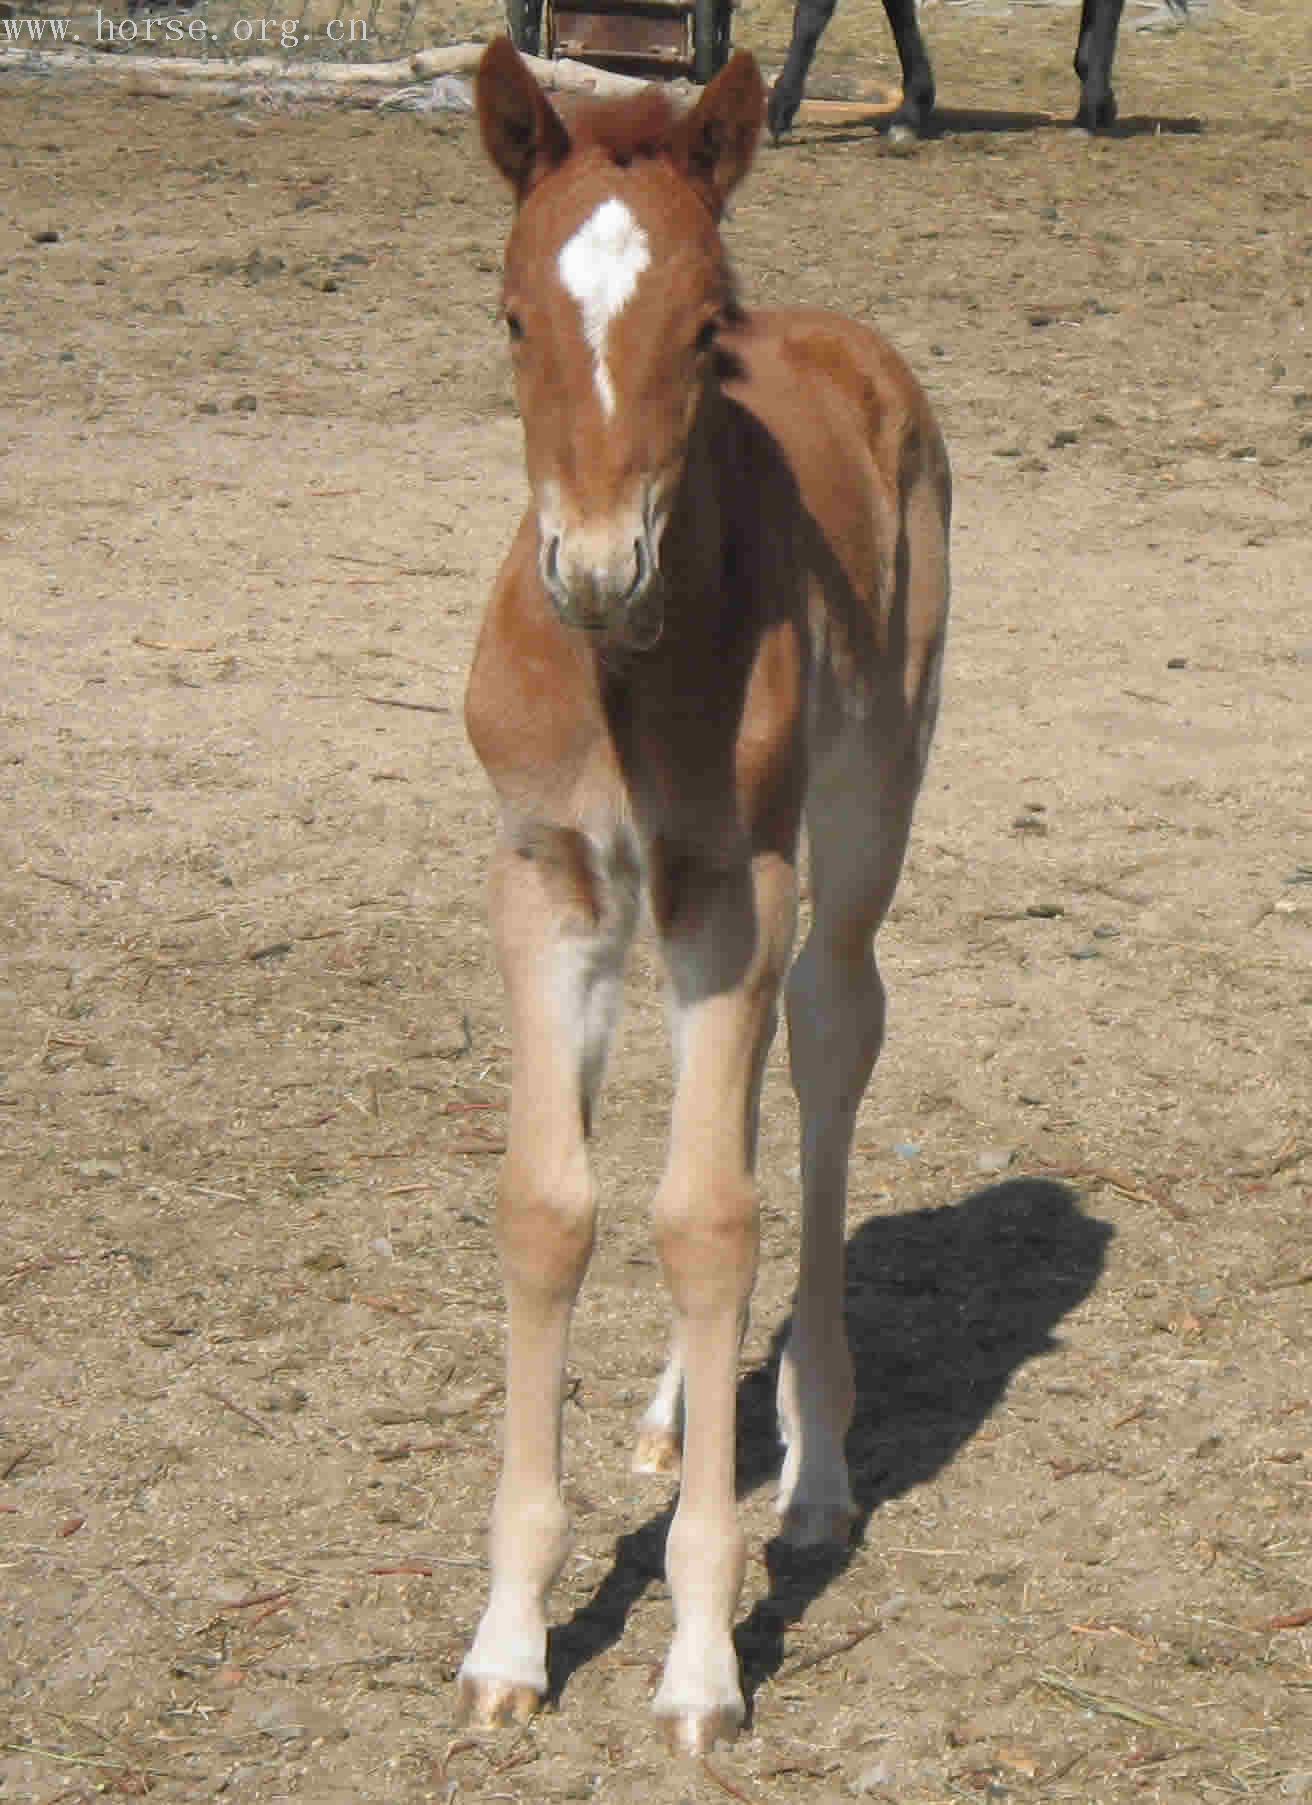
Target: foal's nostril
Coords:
[(594, 582), (551, 565), (641, 569)]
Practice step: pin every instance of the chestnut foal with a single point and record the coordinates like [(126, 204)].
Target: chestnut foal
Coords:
[(723, 610)]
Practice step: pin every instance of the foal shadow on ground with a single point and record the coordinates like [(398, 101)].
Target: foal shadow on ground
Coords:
[(944, 1306)]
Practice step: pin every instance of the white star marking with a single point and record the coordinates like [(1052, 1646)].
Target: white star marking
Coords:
[(599, 267)]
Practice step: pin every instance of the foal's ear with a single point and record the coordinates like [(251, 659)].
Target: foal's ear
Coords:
[(714, 144), (522, 132)]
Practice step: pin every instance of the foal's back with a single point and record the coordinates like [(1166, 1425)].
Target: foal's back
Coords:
[(867, 491)]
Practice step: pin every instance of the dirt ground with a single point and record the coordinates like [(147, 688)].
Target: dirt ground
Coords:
[(262, 462)]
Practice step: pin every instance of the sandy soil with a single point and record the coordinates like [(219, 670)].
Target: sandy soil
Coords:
[(261, 465)]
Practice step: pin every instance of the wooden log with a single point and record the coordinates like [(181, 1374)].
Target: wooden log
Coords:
[(220, 69), (171, 72), (159, 87), (563, 75)]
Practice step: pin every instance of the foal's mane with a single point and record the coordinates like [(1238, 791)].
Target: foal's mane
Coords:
[(638, 126)]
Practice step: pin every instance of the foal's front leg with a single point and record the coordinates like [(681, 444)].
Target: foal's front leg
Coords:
[(561, 932), (727, 943)]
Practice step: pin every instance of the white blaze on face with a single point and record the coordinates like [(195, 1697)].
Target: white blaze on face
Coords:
[(599, 267)]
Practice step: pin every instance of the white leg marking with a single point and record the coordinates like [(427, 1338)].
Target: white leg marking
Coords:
[(599, 267), (562, 979), (660, 1432)]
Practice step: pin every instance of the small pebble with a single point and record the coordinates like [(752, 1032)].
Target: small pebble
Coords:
[(878, 1777), (1177, 664), (296, 1720), (100, 1170), (325, 1259), (291, 1399), (908, 1149), (995, 1159)]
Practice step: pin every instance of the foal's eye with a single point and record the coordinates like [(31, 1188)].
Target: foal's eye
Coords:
[(515, 327), (706, 335)]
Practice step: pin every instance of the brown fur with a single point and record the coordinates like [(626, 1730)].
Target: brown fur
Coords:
[(640, 125), (724, 607)]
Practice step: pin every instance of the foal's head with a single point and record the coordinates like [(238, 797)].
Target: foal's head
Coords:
[(615, 286)]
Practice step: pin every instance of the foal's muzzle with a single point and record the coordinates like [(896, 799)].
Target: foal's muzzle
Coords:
[(605, 581)]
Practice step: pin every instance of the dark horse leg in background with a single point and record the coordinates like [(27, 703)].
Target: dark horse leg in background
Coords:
[(1099, 22), (809, 22)]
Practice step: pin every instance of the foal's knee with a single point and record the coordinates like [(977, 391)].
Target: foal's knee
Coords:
[(545, 1230), (707, 1238)]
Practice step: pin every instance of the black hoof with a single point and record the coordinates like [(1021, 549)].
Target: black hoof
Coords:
[(1096, 116), (779, 115)]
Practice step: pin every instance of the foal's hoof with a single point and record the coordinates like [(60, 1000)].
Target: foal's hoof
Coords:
[(698, 1732), (817, 1524), (658, 1452), (487, 1704)]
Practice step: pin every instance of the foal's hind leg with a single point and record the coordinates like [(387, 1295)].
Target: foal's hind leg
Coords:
[(658, 1449), (835, 1030), (858, 818)]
